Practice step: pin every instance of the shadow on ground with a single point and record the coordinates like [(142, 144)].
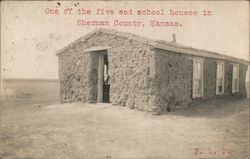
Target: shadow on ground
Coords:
[(214, 108)]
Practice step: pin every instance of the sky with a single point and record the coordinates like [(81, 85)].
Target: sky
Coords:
[(30, 37)]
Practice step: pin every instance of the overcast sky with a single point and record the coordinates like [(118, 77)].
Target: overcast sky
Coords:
[(29, 37)]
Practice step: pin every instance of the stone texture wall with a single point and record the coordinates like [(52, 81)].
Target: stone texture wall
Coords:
[(209, 78), (131, 75), (242, 83), (77, 73), (131, 69), (210, 68), (174, 75), (173, 81), (141, 77), (228, 78)]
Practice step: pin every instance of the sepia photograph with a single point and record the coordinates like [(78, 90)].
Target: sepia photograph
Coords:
[(124, 80)]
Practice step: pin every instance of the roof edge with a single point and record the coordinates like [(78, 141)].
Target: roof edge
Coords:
[(57, 52), (209, 54), (166, 46)]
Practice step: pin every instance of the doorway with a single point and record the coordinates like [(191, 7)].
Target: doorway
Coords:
[(103, 78)]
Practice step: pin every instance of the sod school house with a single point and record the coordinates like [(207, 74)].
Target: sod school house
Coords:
[(108, 66)]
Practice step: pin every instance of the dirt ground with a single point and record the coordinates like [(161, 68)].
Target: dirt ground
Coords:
[(216, 129)]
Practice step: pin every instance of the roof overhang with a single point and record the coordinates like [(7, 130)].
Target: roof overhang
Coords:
[(201, 53), (96, 48)]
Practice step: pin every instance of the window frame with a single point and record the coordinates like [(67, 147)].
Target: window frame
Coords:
[(223, 77), (237, 77), (197, 60)]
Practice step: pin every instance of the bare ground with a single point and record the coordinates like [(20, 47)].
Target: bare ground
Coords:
[(216, 129)]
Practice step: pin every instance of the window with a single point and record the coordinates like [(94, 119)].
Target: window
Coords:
[(220, 78), (197, 78), (235, 79)]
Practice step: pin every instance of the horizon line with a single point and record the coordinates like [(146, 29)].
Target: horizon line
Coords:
[(30, 79)]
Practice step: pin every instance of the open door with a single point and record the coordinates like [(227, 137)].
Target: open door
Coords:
[(106, 84), (103, 78)]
